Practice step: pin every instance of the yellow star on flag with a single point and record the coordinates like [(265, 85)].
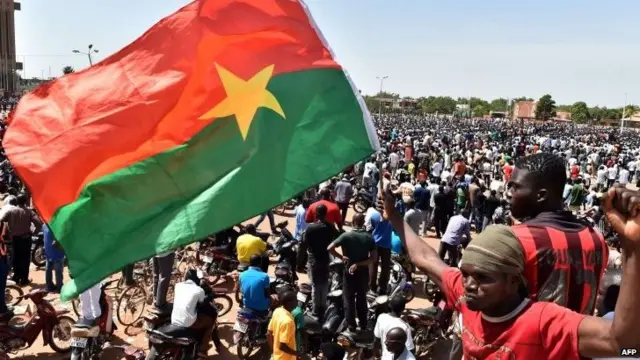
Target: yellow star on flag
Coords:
[(244, 97)]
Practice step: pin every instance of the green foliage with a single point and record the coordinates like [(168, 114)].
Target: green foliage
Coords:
[(68, 70), (580, 112), (480, 110), (630, 110), (498, 105), (546, 108), (440, 105)]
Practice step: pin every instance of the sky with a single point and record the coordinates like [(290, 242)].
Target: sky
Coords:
[(575, 50)]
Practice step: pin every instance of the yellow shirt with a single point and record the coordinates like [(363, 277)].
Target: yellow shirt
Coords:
[(248, 245), (283, 328)]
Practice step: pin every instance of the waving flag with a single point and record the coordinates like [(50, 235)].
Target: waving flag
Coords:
[(217, 113)]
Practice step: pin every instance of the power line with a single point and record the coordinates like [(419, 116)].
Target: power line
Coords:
[(44, 55)]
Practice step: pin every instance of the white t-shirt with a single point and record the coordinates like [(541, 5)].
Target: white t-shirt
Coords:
[(613, 171), (623, 176), (385, 323), (393, 160), (436, 169), (187, 297), (602, 176)]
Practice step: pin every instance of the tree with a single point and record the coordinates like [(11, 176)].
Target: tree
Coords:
[(580, 112), (479, 110), (68, 70), (498, 105), (522, 98), (630, 110), (440, 105), (546, 108)]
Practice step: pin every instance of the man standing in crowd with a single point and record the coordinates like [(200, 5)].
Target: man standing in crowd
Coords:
[(333, 212), (358, 252), (318, 237), (381, 231), (388, 321), (19, 219), (344, 193), (281, 333), (55, 261), (458, 226)]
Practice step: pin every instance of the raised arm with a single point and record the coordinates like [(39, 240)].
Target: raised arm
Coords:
[(602, 338), (421, 254)]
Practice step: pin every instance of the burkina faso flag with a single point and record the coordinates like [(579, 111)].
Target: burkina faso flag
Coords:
[(217, 113)]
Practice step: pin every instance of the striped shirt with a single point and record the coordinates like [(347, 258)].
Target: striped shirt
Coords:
[(564, 260)]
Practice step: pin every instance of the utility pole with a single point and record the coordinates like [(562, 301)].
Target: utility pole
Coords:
[(624, 109), (381, 78)]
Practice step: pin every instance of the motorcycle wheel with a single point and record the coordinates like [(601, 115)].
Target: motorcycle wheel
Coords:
[(37, 256), (12, 295), (409, 293), (223, 304), (359, 206), (62, 332), (244, 341)]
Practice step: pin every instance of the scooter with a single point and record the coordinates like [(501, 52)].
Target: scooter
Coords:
[(38, 257), (327, 331), (249, 332), (88, 341), (51, 323)]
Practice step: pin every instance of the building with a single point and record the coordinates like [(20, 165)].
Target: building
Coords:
[(399, 105), (8, 64), (524, 110), (562, 116), (629, 122)]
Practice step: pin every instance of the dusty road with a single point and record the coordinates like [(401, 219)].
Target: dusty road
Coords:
[(135, 335)]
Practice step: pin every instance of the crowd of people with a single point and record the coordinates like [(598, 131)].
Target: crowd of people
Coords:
[(538, 230)]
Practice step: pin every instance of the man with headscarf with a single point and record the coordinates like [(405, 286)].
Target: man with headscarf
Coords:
[(501, 322)]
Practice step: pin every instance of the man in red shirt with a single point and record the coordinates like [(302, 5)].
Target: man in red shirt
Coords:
[(507, 169), (500, 322), (565, 258), (333, 211)]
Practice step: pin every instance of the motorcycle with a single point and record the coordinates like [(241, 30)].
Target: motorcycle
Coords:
[(362, 200), (363, 341), (398, 275), (38, 257), (426, 328), (87, 342), (167, 341), (319, 333), (249, 332), (50, 322)]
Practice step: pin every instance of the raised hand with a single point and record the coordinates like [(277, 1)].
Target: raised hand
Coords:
[(622, 209)]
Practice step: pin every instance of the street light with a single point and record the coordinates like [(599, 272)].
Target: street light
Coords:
[(381, 78), (88, 53)]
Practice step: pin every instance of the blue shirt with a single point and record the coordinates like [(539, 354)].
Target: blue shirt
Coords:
[(51, 253), (396, 243), (253, 283), (301, 223), (381, 230)]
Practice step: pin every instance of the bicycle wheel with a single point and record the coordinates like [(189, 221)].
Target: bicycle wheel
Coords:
[(223, 304), (131, 304)]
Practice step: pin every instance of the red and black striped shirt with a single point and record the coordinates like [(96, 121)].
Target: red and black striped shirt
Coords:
[(564, 260)]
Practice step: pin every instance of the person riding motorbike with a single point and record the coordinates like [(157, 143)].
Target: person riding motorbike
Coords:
[(254, 286), (192, 310), (250, 244)]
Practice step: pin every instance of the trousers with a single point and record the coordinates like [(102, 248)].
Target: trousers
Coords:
[(384, 259), (162, 269), (319, 276), (355, 297), (90, 302), (21, 258)]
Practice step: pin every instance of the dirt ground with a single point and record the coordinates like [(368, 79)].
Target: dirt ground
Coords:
[(136, 335)]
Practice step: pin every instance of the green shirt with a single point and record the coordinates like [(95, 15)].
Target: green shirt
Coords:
[(298, 317), (575, 198), (356, 244)]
